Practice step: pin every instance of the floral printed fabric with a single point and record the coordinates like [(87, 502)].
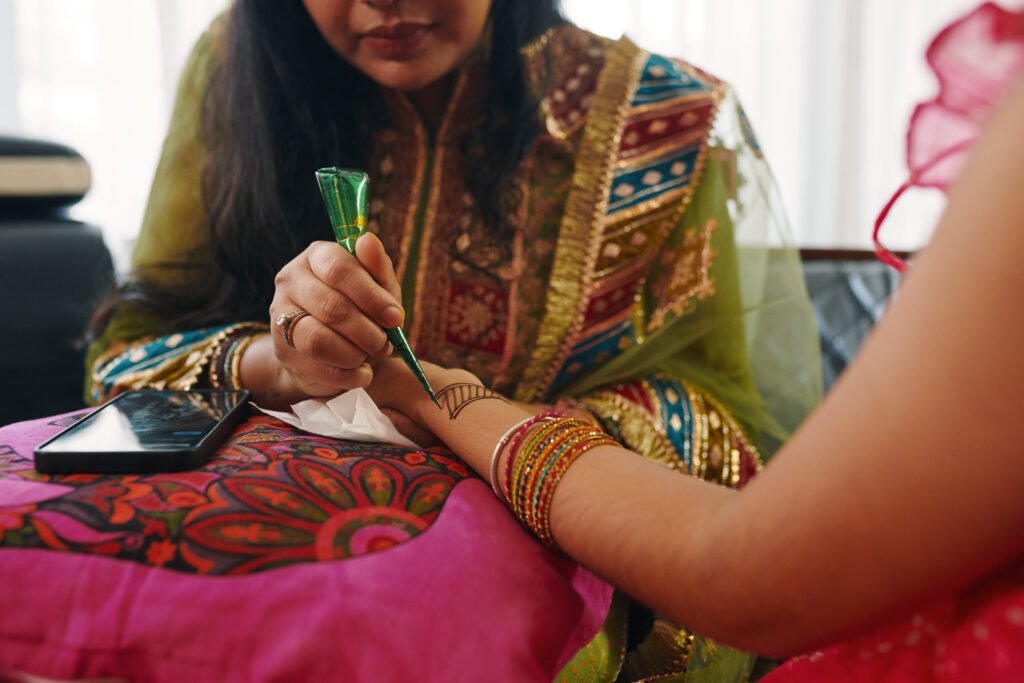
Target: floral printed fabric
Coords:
[(272, 497)]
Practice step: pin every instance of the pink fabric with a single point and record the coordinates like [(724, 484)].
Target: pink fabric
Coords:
[(975, 60), (472, 598), (978, 636)]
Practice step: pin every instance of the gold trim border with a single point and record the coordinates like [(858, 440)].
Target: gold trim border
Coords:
[(583, 222)]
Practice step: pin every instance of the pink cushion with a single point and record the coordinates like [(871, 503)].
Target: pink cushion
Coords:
[(287, 557)]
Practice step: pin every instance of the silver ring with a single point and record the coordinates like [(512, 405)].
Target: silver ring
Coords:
[(286, 321)]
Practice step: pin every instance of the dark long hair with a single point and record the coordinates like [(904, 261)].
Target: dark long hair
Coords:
[(282, 102)]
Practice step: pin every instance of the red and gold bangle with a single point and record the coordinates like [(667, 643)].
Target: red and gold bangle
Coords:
[(546, 460), (550, 451), (530, 458), (529, 439), (525, 462), (540, 489), (544, 446), (518, 436), (554, 478)]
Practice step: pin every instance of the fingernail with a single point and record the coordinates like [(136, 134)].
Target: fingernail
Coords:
[(391, 317)]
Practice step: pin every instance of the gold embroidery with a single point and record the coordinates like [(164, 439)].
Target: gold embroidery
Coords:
[(582, 222), (655, 106), (683, 194), (420, 159), (634, 243), (717, 452), (179, 372), (430, 215), (690, 276), (640, 431), (522, 210), (664, 653)]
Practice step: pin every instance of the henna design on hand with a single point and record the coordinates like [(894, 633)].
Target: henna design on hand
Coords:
[(457, 396)]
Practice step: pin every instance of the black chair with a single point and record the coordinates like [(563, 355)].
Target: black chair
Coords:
[(53, 273)]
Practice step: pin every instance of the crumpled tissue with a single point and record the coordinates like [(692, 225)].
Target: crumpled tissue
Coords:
[(353, 415)]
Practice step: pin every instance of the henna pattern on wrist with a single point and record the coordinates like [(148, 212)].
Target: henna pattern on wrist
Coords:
[(457, 396)]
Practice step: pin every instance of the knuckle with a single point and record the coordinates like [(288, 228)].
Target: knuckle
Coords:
[(335, 375), (333, 309), (380, 343), (318, 343), (361, 377), (337, 272), (351, 358)]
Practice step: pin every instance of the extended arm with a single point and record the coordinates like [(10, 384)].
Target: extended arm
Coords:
[(906, 482)]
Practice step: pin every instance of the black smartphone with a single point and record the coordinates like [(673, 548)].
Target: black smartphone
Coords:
[(145, 431)]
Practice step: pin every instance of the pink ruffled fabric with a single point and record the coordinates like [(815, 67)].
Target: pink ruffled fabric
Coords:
[(975, 60)]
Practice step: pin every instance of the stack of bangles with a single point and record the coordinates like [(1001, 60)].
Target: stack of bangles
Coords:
[(540, 451)]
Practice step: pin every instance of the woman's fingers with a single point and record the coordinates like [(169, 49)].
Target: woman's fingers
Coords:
[(321, 379), (341, 271), (372, 256), (314, 339), (338, 313), (330, 348)]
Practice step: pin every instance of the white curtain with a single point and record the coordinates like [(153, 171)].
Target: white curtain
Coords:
[(100, 76), (829, 85)]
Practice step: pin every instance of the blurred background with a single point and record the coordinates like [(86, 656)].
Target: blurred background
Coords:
[(828, 84)]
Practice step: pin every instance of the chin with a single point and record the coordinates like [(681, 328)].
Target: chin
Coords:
[(404, 76), (403, 83)]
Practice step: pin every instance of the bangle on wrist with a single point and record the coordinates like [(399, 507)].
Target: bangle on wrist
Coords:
[(515, 432)]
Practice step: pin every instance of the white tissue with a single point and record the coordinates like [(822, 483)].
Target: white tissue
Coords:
[(352, 415)]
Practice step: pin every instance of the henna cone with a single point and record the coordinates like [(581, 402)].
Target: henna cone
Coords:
[(345, 196)]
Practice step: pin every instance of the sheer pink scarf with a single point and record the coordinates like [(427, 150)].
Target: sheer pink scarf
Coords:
[(975, 60)]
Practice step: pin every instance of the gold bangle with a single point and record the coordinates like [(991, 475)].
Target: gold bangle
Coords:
[(235, 362)]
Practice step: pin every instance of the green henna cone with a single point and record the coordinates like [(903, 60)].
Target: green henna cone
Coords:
[(345, 195)]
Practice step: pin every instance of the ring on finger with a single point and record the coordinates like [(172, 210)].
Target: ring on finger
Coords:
[(286, 323)]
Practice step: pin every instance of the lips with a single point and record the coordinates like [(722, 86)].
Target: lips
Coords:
[(405, 29), (400, 41)]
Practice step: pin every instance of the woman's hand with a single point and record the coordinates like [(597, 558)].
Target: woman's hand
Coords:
[(398, 394), (349, 301)]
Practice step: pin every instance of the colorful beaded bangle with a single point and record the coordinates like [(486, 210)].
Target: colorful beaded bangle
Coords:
[(554, 479), (545, 461), (533, 503), (516, 429), (518, 436), (540, 440), (535, 471)]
